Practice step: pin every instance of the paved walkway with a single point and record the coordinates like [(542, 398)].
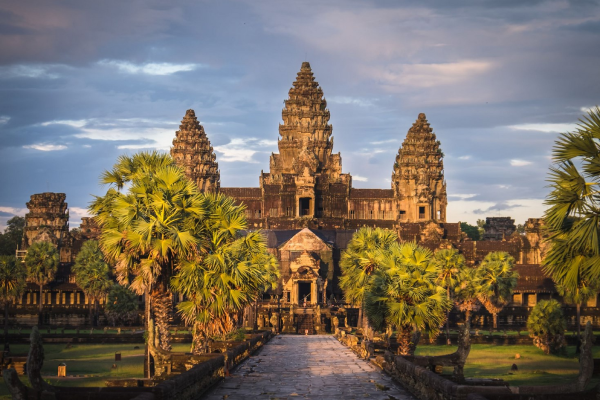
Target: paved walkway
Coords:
[(306, 367)]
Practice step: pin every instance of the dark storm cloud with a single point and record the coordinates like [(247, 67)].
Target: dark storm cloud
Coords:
[(82, 82)]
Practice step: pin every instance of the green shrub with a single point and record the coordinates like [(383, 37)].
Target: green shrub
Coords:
[(547, 325)]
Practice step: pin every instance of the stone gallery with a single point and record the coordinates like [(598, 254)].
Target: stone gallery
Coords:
[(308, 210)]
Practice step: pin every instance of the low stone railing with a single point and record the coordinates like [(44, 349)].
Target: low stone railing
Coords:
[(428, 385)]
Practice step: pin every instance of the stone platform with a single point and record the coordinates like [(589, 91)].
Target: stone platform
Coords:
[(306, 367)]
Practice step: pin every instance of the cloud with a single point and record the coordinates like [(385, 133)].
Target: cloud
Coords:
[(236, 150), (384, 142), (31, 71), (464, 157), (519, 163), (139, 133), (359, 178), (149, 68), (461, 196), (429, 75), (45, 147), (349, 100), (549, 128), (74, 123), (4, 119), (503, 206)]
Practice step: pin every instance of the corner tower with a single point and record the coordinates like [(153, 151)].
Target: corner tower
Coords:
[(192, 151), (418, 177)]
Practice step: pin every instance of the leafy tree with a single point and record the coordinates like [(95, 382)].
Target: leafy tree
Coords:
[(471, 231), (92, 275), (547, 324), (467, 292), (405, 294), (12, 284), (360, 260), (42, 261), (573, 217), (122, 306), (12, 236), (497, 280), (148, 218), (480, 226), (229, 272), (450, 264), (520, 229)]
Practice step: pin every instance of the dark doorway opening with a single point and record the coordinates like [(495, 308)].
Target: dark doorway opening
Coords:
[(304, 206), (421, 212), (304, 292)]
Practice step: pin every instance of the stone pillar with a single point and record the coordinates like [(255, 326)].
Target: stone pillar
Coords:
[(294, 293), (313, 292)]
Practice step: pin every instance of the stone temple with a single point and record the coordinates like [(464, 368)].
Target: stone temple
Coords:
[(308, 210)]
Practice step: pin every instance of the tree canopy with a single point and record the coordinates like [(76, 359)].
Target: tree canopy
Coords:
[(405, 294), (471, 231), (12, 236)]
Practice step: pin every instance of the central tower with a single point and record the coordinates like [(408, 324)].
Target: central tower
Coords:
[(301, 175)]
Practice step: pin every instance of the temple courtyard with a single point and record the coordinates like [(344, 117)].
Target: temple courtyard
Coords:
[(306, 367)]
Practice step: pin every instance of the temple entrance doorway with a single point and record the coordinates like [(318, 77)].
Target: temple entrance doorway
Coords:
[(304, 206), (304, 289)]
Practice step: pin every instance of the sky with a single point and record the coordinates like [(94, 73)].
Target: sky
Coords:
[(83, 82)]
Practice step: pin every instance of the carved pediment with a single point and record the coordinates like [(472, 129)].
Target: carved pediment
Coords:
[(305, 240)]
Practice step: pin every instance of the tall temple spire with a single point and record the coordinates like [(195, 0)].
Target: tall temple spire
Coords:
[(418, 177), (192, 151), (306, 140)]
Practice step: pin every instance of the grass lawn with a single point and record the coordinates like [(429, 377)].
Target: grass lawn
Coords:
[(535, 368), (90, 362)]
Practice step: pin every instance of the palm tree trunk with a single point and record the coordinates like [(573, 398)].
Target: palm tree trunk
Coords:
[(146, 320), (578, 307), (96, 312), (360, 315), (6, 321), (40, 308), (91, 302), (468, 316), (448, 319)]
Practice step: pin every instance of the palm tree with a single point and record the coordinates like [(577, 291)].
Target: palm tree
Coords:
[(41, 260), (497, 280), (546, 324), (405, 294), (359, 262), (450, 263), (229, 272), (92, 275), (578, 295), (148, 218), (12, 284), (573, 217), (467, 292)]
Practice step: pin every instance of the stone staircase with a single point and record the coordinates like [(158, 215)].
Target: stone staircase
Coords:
[(304, 323)]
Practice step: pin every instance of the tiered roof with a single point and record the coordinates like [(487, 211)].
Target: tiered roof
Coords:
[(420, 158), (192, 151), (305, 133)]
